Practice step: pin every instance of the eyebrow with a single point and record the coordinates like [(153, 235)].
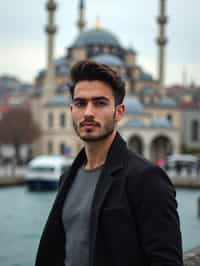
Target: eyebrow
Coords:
[(93, 99)]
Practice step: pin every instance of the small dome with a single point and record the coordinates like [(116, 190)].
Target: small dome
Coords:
[(149, 91), (61, 66), (41, 74), (161, 122), (60, 61), (133, 105), (59, 100), (135, 123), (146, 77), (108, 59), (96, 37), (167, 102)]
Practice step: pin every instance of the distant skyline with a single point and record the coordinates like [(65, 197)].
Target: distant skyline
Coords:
[(23, 40)]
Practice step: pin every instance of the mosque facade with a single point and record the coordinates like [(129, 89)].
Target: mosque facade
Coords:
[(151, 126)]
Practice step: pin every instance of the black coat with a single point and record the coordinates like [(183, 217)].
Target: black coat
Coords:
[(134, 220)]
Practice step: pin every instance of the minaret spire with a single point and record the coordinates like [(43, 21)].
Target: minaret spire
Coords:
[(51, 29), (162, 41), (81, 21)]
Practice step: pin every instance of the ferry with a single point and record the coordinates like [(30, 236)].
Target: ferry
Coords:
[(43, 172)]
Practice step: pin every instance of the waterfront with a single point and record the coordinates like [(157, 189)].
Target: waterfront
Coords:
[(24, 213)]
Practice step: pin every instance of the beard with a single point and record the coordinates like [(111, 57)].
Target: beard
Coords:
[(107, 130)]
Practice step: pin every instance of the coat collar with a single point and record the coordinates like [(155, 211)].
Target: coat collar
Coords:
[(114, 160)]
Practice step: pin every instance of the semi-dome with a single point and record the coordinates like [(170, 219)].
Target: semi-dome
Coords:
[(61, 66), (146, 77), (136, 123), (96, 37), (150, 91), (59, 100), (108, 59), (167, 102), (161, 122), (133, 105)]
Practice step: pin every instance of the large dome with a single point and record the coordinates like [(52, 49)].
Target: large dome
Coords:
[(108, 59), (96, 37), (133, 105)]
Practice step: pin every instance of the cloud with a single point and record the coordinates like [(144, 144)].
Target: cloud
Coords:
[(23, 41), (24, 63)]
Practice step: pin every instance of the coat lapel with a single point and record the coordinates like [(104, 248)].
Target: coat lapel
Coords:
[(114, 163)]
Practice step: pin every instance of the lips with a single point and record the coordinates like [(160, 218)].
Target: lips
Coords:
[(88, 124)]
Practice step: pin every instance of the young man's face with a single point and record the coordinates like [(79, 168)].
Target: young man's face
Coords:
[(93, 110)]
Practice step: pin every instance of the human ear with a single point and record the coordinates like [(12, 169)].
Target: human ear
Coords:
[(120, 110)]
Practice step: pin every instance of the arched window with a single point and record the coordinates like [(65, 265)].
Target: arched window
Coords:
[(62, 120), (50, 120), (50, 147), (195, 130), (62, 148), (170, 118)]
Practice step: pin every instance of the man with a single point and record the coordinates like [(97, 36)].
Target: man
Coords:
[(113, 208)]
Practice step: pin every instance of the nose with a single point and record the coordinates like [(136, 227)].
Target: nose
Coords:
[(89, 110)]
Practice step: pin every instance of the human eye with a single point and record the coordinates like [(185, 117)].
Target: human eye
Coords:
[(100, 102), (79, 103)]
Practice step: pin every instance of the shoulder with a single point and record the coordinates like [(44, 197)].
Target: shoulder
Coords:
[(145, 178), (136, 163)]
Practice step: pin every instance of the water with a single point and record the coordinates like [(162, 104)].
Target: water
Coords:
[(23, 215)]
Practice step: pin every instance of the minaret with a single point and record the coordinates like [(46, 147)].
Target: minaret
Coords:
[(98, 23), (161, 41), (81, 22), (49, 86)]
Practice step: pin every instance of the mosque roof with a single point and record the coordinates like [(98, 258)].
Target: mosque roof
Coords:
[(136, 123), (161, 122), (146, 77), (131, 50), (96, 37), (149, 91), (59, 100), (133, 105), (61, 66), (108, 59), (167, 102)]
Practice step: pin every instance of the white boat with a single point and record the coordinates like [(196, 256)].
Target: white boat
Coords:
[(43, 172)]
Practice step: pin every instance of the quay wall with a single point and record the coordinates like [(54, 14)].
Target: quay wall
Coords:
[(192, 257), (11, 181)]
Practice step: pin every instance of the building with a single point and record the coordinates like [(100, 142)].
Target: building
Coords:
[(152, 122)]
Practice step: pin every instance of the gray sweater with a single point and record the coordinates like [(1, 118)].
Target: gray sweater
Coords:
[(76, 217)]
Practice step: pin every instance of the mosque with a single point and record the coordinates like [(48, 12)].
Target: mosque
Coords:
[(152, 123)]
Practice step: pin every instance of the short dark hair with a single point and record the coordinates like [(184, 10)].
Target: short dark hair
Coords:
[(90, 70)]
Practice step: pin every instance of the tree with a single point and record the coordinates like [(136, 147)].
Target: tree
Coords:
[(17, 127)]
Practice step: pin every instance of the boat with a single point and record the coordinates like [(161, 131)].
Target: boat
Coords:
[(43, 172)]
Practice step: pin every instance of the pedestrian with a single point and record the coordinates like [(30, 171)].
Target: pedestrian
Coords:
[(198, 166), (113, 208)]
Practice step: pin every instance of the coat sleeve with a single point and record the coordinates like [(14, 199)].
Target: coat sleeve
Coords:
[(155, 209)]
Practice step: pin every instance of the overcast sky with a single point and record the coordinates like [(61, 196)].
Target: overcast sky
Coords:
[(23, 41)]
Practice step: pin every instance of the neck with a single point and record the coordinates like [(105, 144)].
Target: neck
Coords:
[(96, 152)]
